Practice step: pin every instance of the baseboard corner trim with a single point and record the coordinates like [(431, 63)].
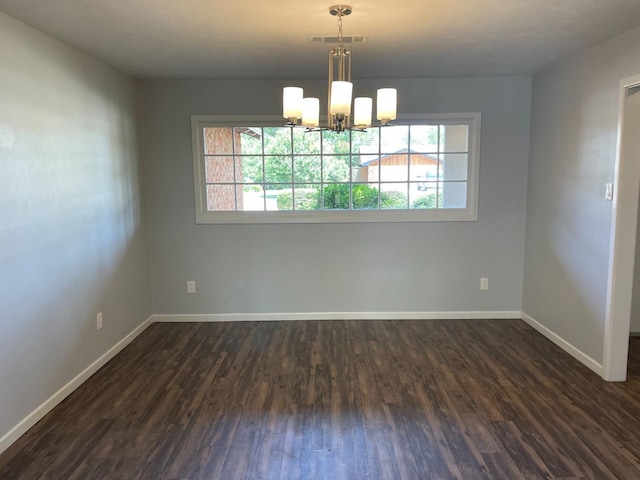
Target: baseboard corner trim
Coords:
[(265, 317), (575, 352), (31, 419)]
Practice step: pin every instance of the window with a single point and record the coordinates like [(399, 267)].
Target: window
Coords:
[(251, 170)]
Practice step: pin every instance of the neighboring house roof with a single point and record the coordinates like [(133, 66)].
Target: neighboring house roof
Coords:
[(371, 159), (251, 131)]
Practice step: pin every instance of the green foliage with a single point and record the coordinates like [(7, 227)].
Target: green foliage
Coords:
[(252, 169), (285, 201), (336, 197), (307, 169), (393, 200), (278, 151), (364, 197), (277, 170), (336, 169), (428, 201), (306, 199)]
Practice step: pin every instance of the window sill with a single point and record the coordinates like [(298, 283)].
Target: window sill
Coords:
[(344, 216)]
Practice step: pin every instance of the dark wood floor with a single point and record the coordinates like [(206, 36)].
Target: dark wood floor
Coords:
[(339, 400)]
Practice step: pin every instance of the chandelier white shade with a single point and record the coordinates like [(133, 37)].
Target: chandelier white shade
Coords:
[(340, 98), (296, 107), (292, 102), (362, 108), (387, 101), (310, 112)]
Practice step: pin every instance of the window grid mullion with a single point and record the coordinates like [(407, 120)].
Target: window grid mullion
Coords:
[(438, 205), (408, 168), (264, 173), (379, 168), (350, 172), (293, 190), (321, 171), (233, 163)]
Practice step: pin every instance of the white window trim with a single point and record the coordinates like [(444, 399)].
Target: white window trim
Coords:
[(470, 213)]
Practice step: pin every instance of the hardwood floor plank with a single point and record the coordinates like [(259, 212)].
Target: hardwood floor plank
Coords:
[(365, 400), (526, 459), (382, 460), (352, 453)]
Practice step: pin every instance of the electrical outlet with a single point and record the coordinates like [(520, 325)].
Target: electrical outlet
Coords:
[(99, 321), (484, 283), (191, 286)]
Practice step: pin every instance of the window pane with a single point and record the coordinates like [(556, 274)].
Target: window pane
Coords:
[(252, 198), (277, 169), (393, 196), (252, 171), (218, 141), (366, 168), (424, 138), (334, 142), (365, 197), (454, 138), (307, 197), (278, 196), (277, 140), (336, 196), (239, 199), (423, 196), (453, 166), (365, 142), (359, 173), (219, 170), (335, 168), (306, 142), (424, 168), (394, 139), (454, 194), (394, 168), (248, 140), (306, 168), (220, 198)]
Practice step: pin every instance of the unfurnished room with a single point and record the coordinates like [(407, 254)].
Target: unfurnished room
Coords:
[(304, 240)]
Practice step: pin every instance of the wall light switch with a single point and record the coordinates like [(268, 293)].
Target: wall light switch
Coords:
[(484, 283), (191, 286), (608, 191), (99, 321)]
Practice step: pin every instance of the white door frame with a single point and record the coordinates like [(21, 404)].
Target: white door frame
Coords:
[(622, 250)]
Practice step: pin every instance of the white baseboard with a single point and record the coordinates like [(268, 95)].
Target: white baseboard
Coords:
[(266, 317), (563, 344), (30, 420)]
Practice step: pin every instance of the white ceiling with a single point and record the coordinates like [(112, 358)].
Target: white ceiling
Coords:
[(268, 38)]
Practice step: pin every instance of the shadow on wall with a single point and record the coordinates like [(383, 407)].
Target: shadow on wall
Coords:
[(73, 243)]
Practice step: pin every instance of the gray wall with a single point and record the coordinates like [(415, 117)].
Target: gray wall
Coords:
[(335, 268), (72, 234), (573, 140)]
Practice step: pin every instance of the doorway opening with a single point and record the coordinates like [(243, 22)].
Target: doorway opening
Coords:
[(623, 232)]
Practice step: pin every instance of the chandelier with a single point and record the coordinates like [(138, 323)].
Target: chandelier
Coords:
[(296, 108)]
